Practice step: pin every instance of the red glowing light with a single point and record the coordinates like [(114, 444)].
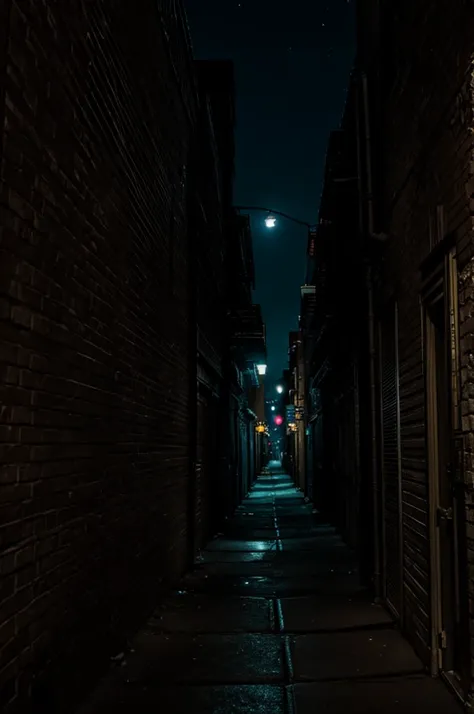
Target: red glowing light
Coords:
[(278, 420)]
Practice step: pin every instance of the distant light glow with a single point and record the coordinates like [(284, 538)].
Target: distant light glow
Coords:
[(279, 389), (261, 368), (270, 222), (273, 408), (278, 420)]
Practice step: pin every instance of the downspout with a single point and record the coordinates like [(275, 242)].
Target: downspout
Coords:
[(192, 229), (5, 15), (371, 336)]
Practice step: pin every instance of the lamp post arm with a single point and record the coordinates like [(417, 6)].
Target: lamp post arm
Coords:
[(277, 213)]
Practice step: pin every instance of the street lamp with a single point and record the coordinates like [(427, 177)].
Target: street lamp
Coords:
[(273, 408), (279, 389), (270, 220)]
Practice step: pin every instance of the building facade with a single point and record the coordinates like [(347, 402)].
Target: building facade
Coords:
[(396, 395), (210, 202), (116, 341), (96, 372), (248, 355)]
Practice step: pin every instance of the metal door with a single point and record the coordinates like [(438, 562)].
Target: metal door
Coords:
[(449, 616)]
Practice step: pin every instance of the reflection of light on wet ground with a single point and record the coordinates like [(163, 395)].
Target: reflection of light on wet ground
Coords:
[(262, 495), (272, 487), (242, 546), (261, 545)]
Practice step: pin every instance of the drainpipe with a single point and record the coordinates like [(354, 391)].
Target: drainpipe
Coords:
[(192, 228), (371, 335)]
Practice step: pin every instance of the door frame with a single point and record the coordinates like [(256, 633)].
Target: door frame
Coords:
[(429, 367), (441, 282)]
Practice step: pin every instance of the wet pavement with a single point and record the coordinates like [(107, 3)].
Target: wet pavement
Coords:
[(272, 620)]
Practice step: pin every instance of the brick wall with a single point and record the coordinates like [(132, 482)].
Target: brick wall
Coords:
[(466, 330), (211, 207), (426, 131), (94, 338)]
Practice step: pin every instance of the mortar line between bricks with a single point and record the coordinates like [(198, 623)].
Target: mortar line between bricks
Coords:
[(5, 14)]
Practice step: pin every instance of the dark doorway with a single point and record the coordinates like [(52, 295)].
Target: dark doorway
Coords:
[(206, 469)]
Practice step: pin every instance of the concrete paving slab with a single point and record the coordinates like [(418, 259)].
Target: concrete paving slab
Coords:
[(229, 556), (261, 500), (329, 555), (248, 699), (242, 545), (231, 699), (274, 568), (259, 586), (211, 648), (391, 696), (243, 585), (274, 486), (300, 520), (307, 527), (250, 499), (254, 521), (261, 512), (287, 501), (318, 567), (322, 538), (263, 568), (299, 508), (353, 655), (253, 534), (330, 583), (307, 533), (204, 659), (322, 614), (195, 613)]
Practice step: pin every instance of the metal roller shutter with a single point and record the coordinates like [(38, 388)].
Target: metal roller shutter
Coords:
[(391, 462)]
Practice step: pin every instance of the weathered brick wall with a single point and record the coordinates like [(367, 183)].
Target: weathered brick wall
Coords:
[(466, 330), (94, 337), (211, 237), (427, 149), (210, 242)]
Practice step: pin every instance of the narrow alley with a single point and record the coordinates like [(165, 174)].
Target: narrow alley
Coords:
[(272, 619), (236, 357)]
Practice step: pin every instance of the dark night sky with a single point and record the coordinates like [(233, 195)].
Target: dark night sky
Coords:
[(292, 63)]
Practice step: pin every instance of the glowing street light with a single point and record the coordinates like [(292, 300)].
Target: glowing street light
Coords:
[(273, 408), (278, 420), (279, 389), (270, 220)]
